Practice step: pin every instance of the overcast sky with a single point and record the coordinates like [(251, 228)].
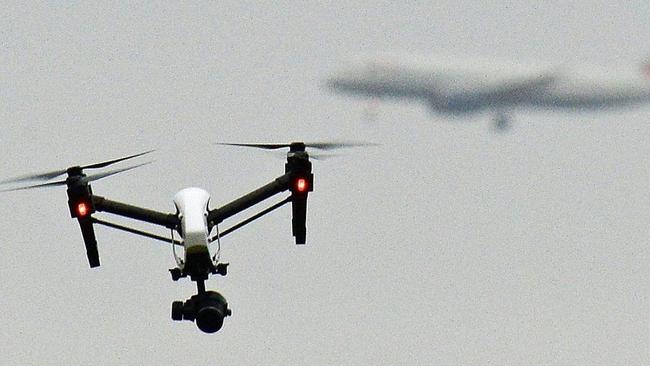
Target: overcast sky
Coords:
[(446, 245)]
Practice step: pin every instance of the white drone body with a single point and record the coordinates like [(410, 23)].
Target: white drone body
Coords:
[(192, 206)]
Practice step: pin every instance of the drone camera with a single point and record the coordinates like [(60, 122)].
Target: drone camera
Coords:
[(207, 310)]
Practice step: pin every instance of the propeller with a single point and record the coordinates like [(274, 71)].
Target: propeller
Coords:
[(301, 145), (55, 173), (86, 179)]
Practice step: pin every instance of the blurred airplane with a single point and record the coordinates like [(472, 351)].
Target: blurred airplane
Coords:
[(456, 86)]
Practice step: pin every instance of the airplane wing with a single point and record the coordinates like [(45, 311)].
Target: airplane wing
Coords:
[(475, 94), (514, 89)]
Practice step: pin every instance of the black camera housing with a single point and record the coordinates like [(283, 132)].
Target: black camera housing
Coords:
[(207, 309)]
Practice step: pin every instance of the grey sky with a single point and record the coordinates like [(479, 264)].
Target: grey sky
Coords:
[(447, 245)]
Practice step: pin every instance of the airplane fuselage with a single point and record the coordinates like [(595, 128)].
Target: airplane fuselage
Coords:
[(461, 88)]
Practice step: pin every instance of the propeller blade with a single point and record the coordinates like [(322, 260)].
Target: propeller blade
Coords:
[(259, 146), (97, 176), (321, 157), (38, 176), (315, 145), (87, 179), (48, 184), (55, 173), (107, 163), (338, 145)]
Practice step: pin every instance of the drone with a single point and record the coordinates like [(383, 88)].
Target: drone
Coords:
[(193, 220)]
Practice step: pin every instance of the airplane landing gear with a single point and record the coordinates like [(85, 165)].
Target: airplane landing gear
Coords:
[(501, 122)]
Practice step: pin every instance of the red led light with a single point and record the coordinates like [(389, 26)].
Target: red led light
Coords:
[(82, 209), (302, 185)]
